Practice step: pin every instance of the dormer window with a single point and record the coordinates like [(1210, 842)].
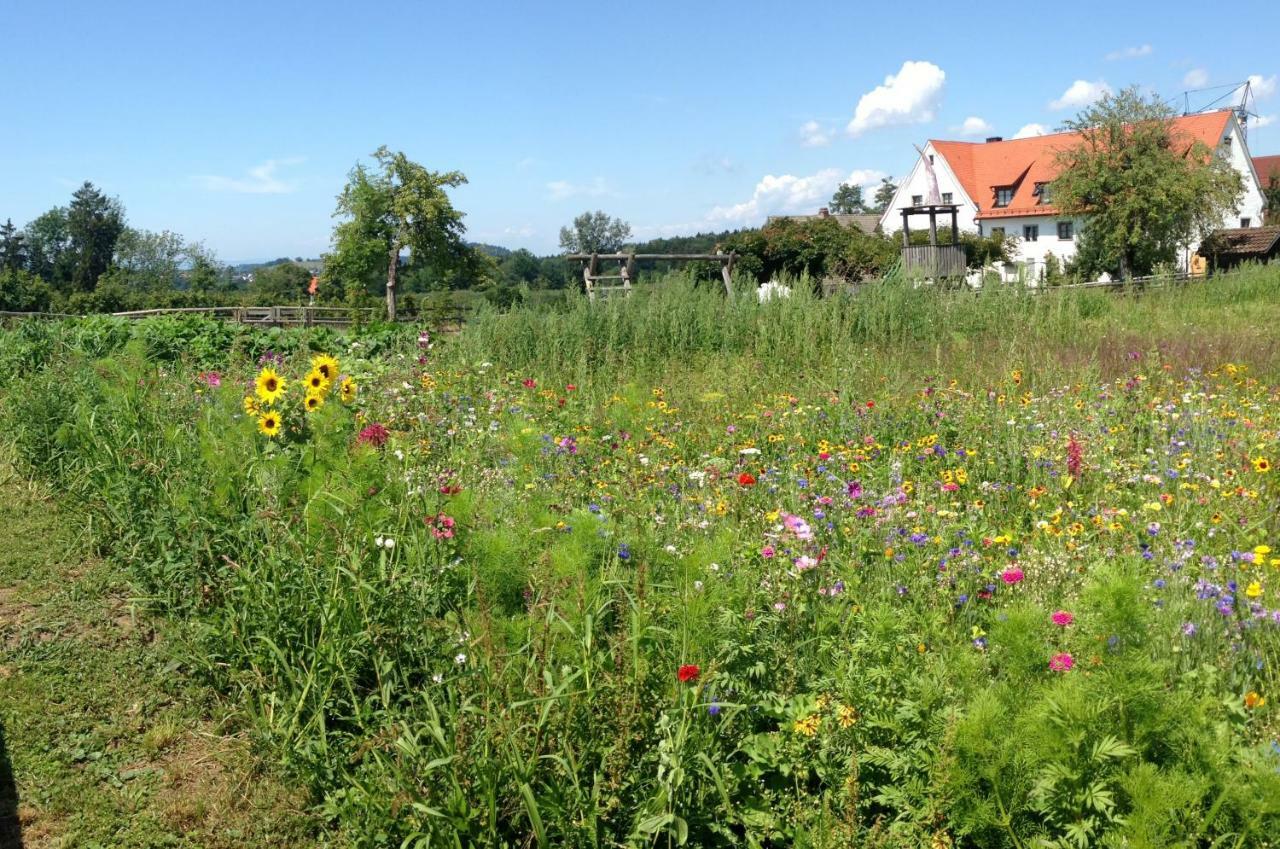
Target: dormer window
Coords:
[(1004, 196), (1042, 192)]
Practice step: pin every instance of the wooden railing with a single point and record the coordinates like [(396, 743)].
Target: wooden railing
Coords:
[(936, 261)]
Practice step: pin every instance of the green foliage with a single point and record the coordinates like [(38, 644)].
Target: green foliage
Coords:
[(20, 291), (847, 200), (814, 247), (95, 224), (1145, 191), (594, 233)]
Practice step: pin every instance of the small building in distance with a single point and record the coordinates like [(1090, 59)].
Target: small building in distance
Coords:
[(1226, 249), (867, 222)]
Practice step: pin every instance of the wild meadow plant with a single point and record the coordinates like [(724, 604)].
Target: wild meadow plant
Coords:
[(688, 570)]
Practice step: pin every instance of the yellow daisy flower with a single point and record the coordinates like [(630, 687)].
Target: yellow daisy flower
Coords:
[(316, 382), (347, 390), (326, 365), (313, 402)]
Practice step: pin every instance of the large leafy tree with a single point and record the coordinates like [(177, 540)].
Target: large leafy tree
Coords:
[(13, 253), (1144, 189), (847, 200), (95, 223), (1271, 194), (594, 233), (48, 241), (395, 206)]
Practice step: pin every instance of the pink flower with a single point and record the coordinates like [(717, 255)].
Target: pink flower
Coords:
[(1012, 575), (1062, 618), (1061, 662), (767, 552), (797, 526), (805, 563), (211, 379), (375, 435), (441, 525)]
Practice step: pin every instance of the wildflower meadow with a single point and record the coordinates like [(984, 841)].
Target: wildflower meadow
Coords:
[(901, 568)]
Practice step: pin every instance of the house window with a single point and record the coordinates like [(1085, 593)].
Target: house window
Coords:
[(1031, 233), (1065, 230), (917, 200), (1042, 192), (1246, 222), (1004, 196), (931, 159), (997, 231), (946, 197)]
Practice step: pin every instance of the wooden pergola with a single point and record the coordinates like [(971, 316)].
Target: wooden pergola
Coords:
[(592, 274)]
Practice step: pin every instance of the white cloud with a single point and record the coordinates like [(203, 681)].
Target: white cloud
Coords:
[(787, 193), (910, 96), (1196, 78), (1081, 93), (1263, 86), (1031, 130), (813, 134), (973, 126), (563, 189), (1263, 121), (1131, 53), (262, 180)]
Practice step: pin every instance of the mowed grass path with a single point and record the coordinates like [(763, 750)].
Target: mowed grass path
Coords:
[(104, 742)]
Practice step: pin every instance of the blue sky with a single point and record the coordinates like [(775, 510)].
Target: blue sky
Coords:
[(235, 123)]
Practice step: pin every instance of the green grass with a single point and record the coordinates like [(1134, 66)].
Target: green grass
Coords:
[(104, 740)]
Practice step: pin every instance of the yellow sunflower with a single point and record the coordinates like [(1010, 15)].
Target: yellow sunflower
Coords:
[(313, 402), (316, 382), (326, 365), (347, 390), (269, 386), (250, 405), (1262, 464), (269, 423)]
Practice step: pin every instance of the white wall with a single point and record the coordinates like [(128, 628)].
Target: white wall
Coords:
[(1034, 253), (917, 183), (1252, 203)]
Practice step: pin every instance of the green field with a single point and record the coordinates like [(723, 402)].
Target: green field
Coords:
[(895, 569)]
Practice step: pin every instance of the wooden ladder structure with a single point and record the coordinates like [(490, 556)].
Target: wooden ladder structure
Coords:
[(593, 272)]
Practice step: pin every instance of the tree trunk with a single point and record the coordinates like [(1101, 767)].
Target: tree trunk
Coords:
[(393, 266)]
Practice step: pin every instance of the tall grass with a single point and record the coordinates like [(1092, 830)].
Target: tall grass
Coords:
[(675, 319)]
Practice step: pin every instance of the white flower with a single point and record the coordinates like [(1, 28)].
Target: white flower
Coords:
[(697, 585), (399, 454), (460, 658), (389, 543), (670, 549), (377, 541), (749, 452), (438, 678), (714, 567)]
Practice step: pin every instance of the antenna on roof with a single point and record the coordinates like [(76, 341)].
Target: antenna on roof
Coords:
[(1243, 109)]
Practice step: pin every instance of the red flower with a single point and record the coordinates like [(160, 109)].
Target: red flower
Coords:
[(746, 479), (570, 388), (688, 673), (375, 435), (871, 404), (529, 383)]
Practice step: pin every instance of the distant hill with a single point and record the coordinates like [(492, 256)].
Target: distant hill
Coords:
[(496, 251)]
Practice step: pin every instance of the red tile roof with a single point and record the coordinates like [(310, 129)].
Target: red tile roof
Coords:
[(1267, 167), (1021, 163)]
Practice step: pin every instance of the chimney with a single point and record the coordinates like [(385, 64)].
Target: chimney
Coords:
[(994, 139), (824, 213)]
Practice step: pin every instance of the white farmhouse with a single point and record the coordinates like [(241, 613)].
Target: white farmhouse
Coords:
[(1004, 185)]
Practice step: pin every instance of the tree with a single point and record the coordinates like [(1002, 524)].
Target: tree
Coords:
[(397, 205), (594, 233), (13, 253), (48, 243), (282, 283), (847, 200), (884, 194), (1144, 190), (21, 291), (148, 261), (95, 223)]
